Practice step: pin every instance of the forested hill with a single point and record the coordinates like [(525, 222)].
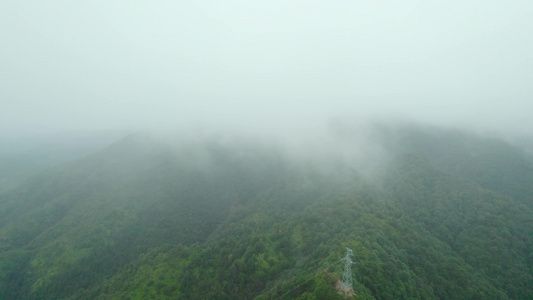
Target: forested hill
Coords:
[(444, 215), (22, 158)]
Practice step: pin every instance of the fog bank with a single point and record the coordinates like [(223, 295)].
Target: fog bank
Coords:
[(258, 65)]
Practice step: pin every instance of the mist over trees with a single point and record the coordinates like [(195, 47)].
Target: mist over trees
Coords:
[(235, 149), (445, 214)]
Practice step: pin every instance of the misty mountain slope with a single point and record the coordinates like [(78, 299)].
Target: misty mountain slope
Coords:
[(398, 254), (490, 162), (225, 219), (20, 162), (490, 231), (109, 207)]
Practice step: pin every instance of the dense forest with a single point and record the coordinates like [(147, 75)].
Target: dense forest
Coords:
[(441, 214)]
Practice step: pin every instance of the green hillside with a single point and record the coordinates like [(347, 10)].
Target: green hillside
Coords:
[(449, 216)]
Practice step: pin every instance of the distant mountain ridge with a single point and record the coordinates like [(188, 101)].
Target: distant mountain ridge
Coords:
[(20, 160)]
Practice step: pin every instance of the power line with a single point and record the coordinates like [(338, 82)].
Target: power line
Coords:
[(346, 285), (316, 274), (297, 286)]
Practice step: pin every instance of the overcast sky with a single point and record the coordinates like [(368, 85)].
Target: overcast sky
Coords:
[(162, 64)]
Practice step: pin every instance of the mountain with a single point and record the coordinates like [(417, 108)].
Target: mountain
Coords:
[(444, 215), (22, 158)]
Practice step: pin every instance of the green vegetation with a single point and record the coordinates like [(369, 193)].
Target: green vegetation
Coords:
[(450, 219)]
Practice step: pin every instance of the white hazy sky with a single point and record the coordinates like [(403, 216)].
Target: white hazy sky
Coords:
[(164, 64)]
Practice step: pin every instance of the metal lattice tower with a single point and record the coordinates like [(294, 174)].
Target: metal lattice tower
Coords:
[(346, 285)]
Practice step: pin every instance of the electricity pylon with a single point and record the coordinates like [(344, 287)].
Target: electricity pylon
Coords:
[(346, 285)]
